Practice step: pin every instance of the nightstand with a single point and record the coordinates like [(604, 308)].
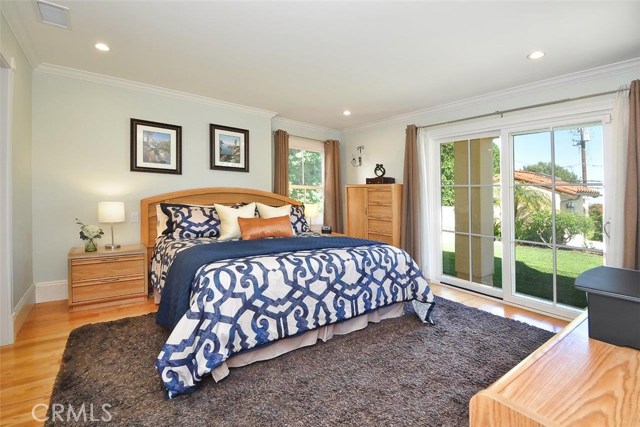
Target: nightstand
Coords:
[(107, 277)]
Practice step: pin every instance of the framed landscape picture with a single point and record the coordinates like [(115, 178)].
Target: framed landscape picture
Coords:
[(156, 147), (229, 148)]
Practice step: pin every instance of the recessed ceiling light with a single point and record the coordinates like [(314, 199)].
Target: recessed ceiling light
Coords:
[(346, 112), (536, 54), (103, 47)]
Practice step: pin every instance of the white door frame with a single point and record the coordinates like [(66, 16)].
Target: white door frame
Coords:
[(7, 67)]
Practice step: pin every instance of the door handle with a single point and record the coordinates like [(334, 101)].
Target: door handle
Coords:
[(606, 228)]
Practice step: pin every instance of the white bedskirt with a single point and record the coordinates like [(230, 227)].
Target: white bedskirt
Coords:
[(324, 333), (285, 345)]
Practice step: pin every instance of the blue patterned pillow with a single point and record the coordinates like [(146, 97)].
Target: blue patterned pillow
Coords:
[(298, 221), (190, 221)]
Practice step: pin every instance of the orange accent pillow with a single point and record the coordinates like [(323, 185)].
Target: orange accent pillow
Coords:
[(261, 228)]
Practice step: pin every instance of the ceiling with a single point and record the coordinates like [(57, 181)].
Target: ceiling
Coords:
[(310, 60)]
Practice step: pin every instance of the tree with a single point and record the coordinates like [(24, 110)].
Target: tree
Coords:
[(526, 202), (447, 174), (546, 168), (447, 171), (305, 169)]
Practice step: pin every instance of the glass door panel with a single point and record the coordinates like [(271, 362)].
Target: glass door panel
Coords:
[(470, 183), (557, 196)]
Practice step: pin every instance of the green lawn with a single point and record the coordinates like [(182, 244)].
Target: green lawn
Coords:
[(534, 274)]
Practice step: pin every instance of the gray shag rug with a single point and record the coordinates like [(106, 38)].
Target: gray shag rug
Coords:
[(397, 372)]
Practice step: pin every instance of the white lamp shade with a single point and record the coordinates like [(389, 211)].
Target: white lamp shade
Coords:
[(111, 212)]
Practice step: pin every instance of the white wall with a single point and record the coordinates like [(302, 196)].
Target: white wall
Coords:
[(81, 148), (21, 166), (384, 142)]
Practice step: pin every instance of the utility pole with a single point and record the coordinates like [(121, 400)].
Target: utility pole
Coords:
[(585, 136)]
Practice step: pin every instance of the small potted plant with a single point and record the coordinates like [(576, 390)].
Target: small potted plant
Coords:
[(89, 233)]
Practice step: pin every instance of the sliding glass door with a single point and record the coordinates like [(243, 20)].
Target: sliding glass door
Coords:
[(520, 213)]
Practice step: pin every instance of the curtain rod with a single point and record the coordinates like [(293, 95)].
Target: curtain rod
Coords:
[(307, 138), (302, 137), (511, 110)]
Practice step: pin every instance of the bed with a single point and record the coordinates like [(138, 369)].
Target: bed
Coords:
[(234, 302)]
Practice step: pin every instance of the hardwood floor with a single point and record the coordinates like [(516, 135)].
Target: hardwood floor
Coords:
[(498, 308), (29, 367)]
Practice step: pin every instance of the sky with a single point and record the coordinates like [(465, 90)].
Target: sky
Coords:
[(532, 148)]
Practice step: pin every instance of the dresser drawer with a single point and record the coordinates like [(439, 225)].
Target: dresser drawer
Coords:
[(106, 267), (379, 197), (381, 238), (379, 226), (91, 291), (379, 212)]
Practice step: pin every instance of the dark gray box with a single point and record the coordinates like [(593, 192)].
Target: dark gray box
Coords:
[(613, 296)]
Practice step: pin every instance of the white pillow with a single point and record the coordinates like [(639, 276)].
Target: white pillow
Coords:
[(161, 225), (229, 228), (267, 211)]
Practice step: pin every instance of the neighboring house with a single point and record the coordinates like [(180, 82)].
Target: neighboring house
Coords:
[(569, 197)]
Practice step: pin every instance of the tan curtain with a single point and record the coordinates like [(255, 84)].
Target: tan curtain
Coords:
[(631, 251), (411, 238), (281, 163), (332, 189)]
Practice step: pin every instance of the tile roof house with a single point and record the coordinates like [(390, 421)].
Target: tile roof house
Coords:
[(571, 197)]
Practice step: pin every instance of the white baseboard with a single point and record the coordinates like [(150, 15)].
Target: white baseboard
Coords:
[(22, 309), (51, 291)]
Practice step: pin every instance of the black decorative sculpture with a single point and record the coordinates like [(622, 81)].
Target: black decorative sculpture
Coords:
[(380, 178)]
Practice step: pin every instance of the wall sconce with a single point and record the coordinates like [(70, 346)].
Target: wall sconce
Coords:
[(357, 162), (111, 212)]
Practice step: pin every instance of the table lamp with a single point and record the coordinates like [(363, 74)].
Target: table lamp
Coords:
[(111, 212)]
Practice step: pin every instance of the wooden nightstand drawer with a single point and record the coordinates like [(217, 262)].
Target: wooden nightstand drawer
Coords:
[(117, 288), (107, 267), (107, 277)]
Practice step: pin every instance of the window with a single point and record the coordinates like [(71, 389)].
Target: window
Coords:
[(306, 176)]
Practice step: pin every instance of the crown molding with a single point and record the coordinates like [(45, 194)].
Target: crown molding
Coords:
[(279, 121), (14, 21), (632, 65), (72, 73)]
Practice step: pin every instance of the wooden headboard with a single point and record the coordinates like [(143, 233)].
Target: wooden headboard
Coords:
[(201, 196)]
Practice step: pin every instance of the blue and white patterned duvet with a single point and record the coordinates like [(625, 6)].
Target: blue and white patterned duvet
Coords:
[(244, 303)]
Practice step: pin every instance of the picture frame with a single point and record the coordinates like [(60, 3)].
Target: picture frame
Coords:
[(229, 148), (156, 147)]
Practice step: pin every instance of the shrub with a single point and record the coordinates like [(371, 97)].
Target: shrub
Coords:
[(595, 213), (538, 227)]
